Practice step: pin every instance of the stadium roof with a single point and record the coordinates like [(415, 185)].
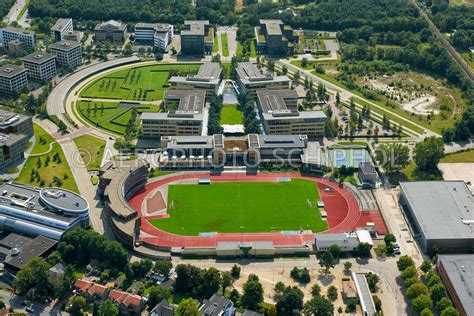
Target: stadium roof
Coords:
[(460, 270), (443, 209)]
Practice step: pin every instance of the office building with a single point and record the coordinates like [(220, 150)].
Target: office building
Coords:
[(156, 34), (279, 113), (250, 79), (114, 31), (48, 212), (68, 53), (441, 214), (275, 38), (41, 66), (197, 38), (15, 132), (208, 78), (13, 79), (457, 273), (185, 117), (9, 33), (16, 47), (75, 36), (60, 29)]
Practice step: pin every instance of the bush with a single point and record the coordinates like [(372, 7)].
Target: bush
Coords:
[(235, 271), (332, 292), (300, 275)]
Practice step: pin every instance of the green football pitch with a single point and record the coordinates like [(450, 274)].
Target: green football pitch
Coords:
[(242, 207)]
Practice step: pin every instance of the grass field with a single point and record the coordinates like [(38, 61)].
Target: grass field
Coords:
[(43, 140), (108, 115), (461, 156), (242, 208), (94, 146), (225, 45), (230, 115), (46, 172), (146, 83)]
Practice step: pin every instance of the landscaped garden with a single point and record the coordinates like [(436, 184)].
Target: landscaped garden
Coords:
[(92, 150), (47, 168), (230, 115)]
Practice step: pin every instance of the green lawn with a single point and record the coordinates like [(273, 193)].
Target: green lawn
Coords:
[(46, 174), (23, 10), (108, 115), (460, 156), (225, 45), (146, 83), (242, 207), (43, 140), (92, 150), (215, 47), (231, 115)]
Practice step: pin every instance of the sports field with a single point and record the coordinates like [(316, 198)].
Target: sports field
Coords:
[(242, 207), (146, 83)]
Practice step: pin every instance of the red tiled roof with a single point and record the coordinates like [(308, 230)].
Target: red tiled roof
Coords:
[(125, 298), (89, 287), (82, 284)]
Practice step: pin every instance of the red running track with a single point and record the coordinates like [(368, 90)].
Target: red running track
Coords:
[(341, 206)]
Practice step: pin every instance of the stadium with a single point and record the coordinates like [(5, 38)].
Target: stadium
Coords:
[(230, 214)]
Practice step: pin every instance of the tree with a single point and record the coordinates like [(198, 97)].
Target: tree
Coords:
[(315, 290), (372, 280), (363, 249), (227, 280), (332, 292), (187, 307), (404, 262), (425, 266), (34, 275), (437, 292), (157, 294), (450, 311), (347, 266), (291, 300), (327, 261), (108, 308), (235, 271), (393, 156), (421, 302), (300, 275), (426, 312), (187, 278), (443, 304), (253, 293), (279, 289), (416, 290), (163, 267), (389, 238), (77, 304), (428, 153), (211, 281), (409, 273), (335, 250), (377, 303), (318, 306)]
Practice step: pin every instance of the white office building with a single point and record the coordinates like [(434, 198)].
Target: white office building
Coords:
[(68, 53), (61, 28), (157, 34), (8, 34), (41, 65)]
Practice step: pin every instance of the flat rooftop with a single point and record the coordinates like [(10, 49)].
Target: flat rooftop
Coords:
[(273, 26), (9, 70), (208, 73), (250, 71), (36, 248), (32, 200), (18, 30), (10, 139), (64, 45), (60, 24), (281, 141), (183, 142), (195, 27), (111, 25), (460, 270), (443, 209), (7, 117), (272, 101), (189, 101), (38, 57)]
